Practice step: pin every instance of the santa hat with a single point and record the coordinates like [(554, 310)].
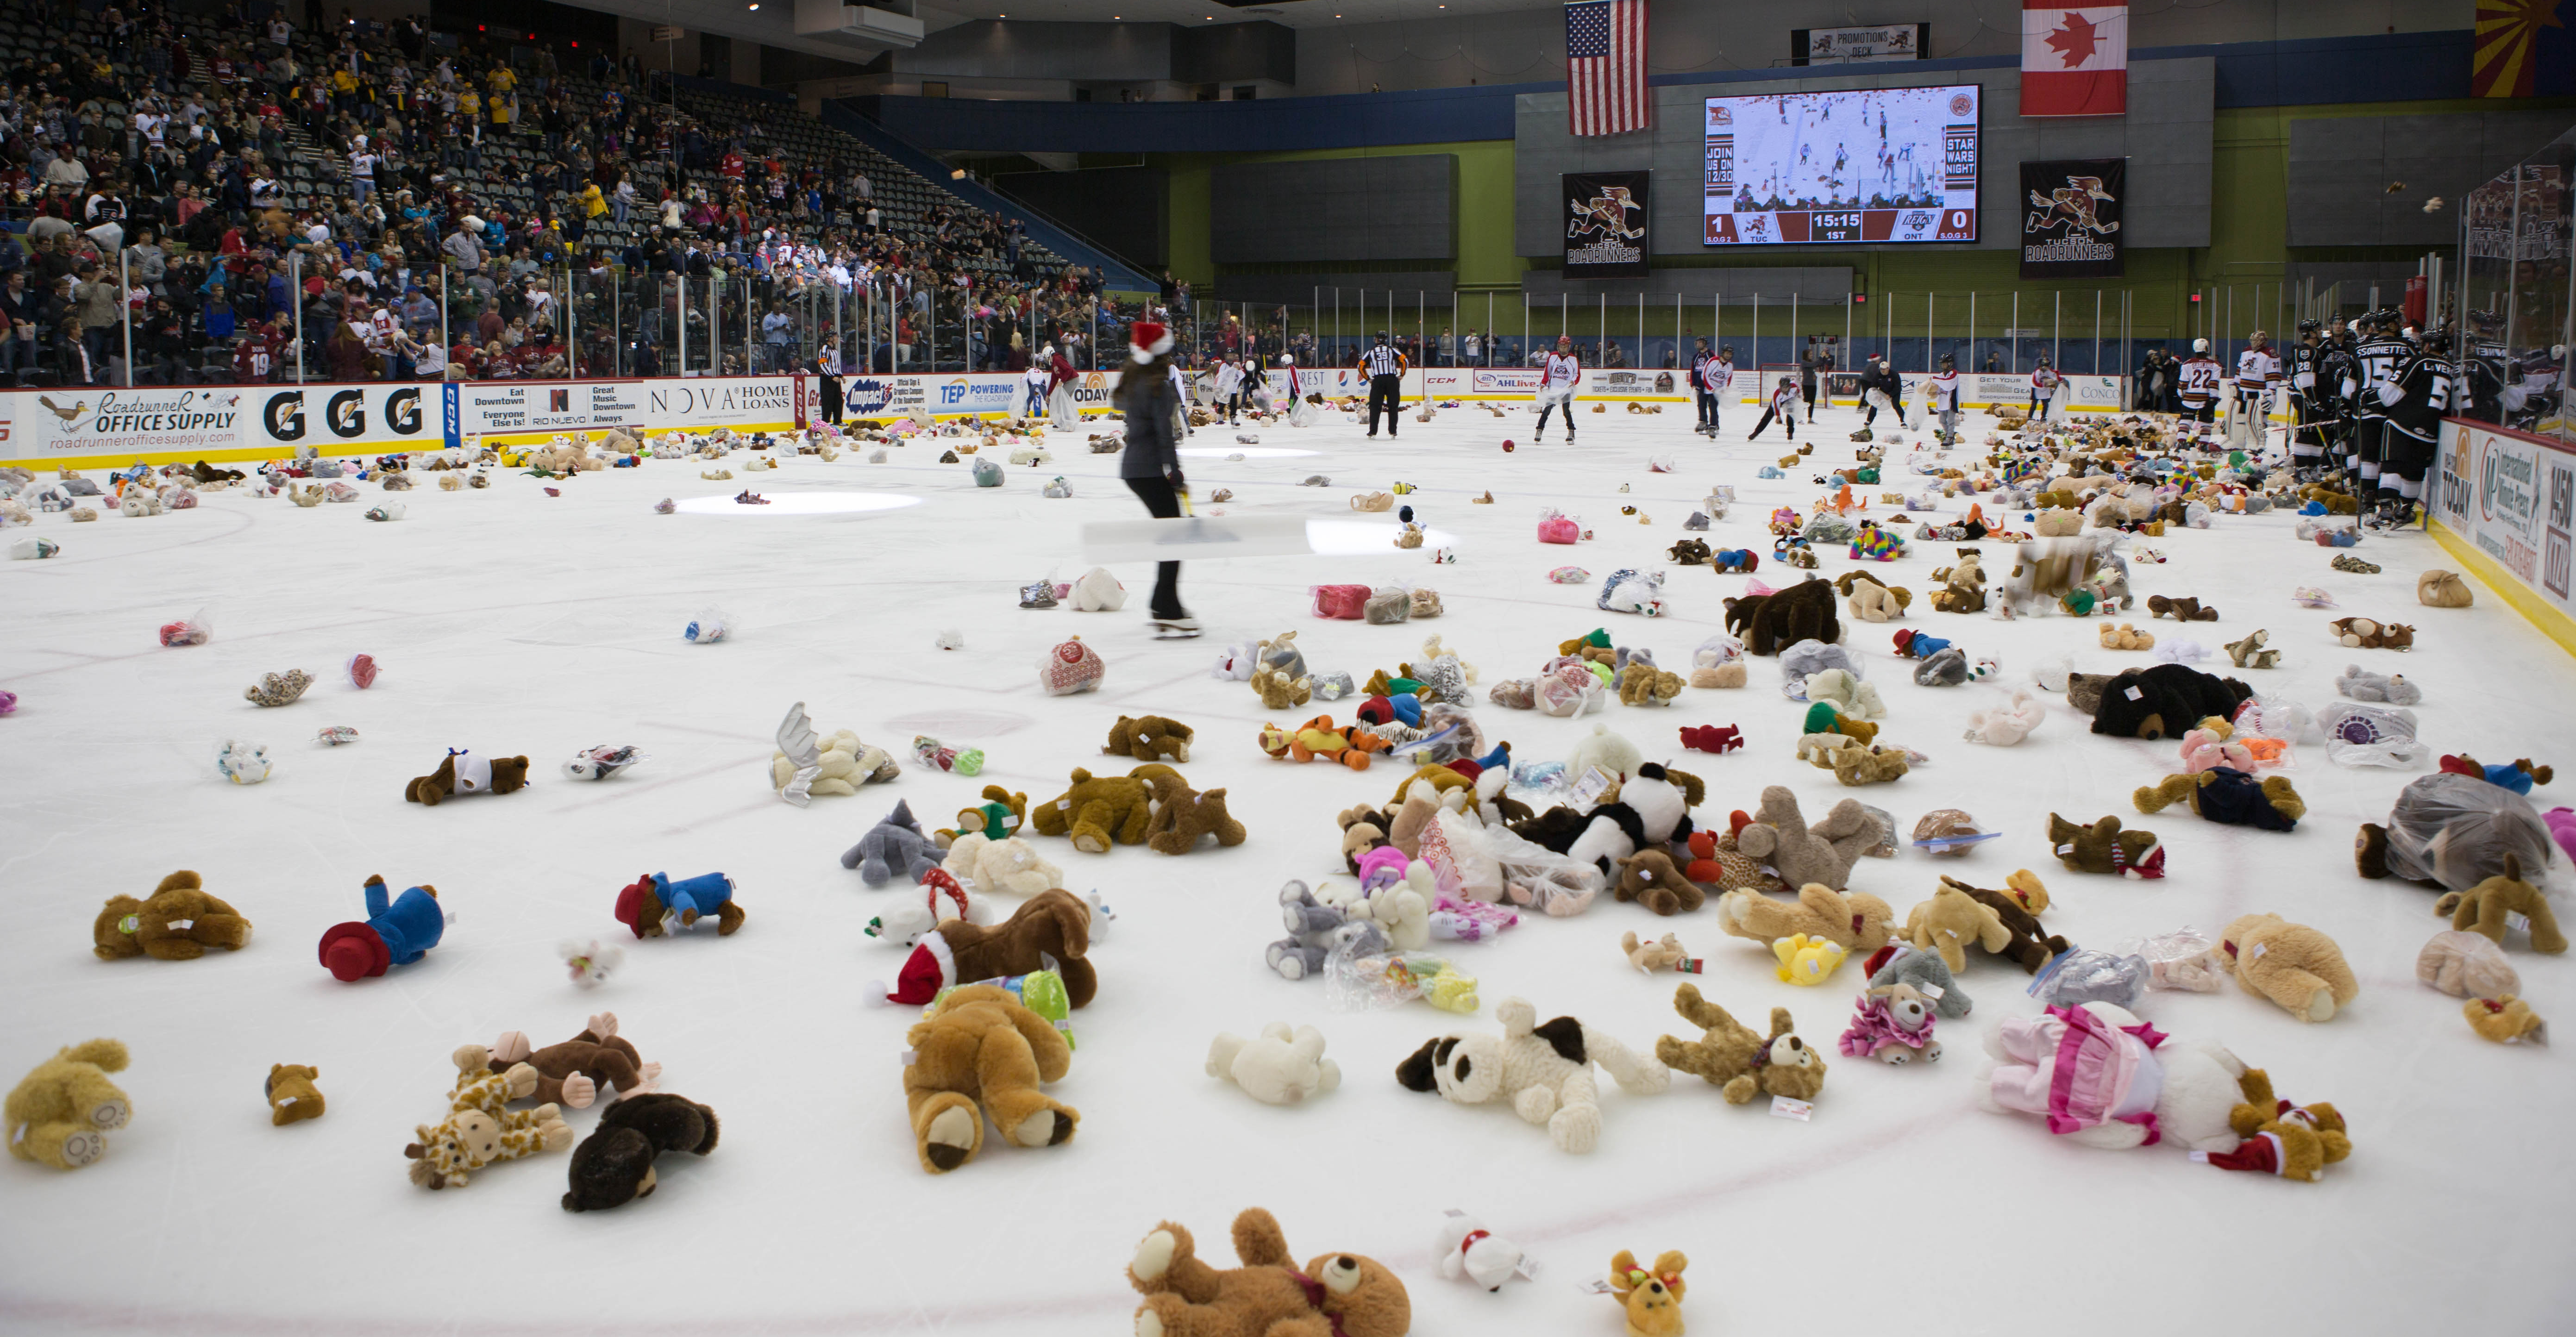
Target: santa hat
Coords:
[(2260, 1153), (353, 951), (931, 968), (1148, 340)]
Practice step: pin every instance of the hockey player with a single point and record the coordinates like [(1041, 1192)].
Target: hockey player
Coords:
[(1557, 379), (1941, 393), (2308, 412), (1783, 405), (2338, 380), (1702, 362), (1880, 388), (1300, 413), (1034, 384), (2043, 389), (2199, 382), (1229, 387), (2257, 371), (2415, 400), (2380, 353)]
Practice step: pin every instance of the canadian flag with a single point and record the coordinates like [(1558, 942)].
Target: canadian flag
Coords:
[(2074, 59)]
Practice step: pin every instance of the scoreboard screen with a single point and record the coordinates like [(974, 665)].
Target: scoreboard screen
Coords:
[(1873, 165)]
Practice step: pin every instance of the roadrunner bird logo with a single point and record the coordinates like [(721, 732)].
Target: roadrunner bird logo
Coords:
[(2077, 200), (68, 415), (1603, 216)]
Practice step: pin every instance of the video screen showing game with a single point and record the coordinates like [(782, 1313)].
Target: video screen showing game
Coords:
[(1873, 165)]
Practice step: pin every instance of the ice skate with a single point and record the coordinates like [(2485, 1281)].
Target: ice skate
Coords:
[(1182, 628)]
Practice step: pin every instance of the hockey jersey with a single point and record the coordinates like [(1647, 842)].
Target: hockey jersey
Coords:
[(2416, 397), (2338, 374), (1943, 390), (2198, 381), (2378, 360), (2043, 383), (2256, 369), (2304, 361)]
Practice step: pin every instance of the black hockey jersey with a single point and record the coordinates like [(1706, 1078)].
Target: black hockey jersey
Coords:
[(2379, 359), (2417, 396), (2305, 362), (2338, 375)]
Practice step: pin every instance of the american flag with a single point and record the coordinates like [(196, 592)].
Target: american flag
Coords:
[(1605, 66)]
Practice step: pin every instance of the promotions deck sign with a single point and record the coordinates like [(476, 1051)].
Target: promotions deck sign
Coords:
[(2070, 220), (1605, 225)]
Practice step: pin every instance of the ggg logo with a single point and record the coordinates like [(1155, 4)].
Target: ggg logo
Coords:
[(346, 414), (284, 416)]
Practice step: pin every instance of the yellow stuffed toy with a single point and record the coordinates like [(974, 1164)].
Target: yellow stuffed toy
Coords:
[(60, 1114), (480, 1128), (1805, 960)]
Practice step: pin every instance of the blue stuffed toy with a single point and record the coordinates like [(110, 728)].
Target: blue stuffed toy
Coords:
[(1915, 645), (654, 905), (396, 932)]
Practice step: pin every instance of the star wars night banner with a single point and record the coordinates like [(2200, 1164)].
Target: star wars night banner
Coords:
[(2070, 218), (1605, 225)]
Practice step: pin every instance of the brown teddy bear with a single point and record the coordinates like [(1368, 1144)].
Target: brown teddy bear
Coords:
[(614, 1165), (1149, 738), (292, 1097), (1802, 612), (1642, 684), (2292, 964), (1182, 820), (178, 923), (465, 773), (61, 1112), (576, 1072), (1823, 853), (2104, 847), (1363, 829), (1740, 1063), (2180, 610), (2126, 637), (2361, 633), (2027, 943), (1050, 931), (2292, 1141), (1963, 585), (1333, 1295), (1859, 765), (1871, 601), (1652, 1299), (1098, 812), (2442, 589), (1649, 878), (1279, 691), (980, 1054), (1855, 920), (2492, 907)]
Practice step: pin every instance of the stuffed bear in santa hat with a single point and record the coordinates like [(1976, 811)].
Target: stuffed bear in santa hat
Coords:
[(1050, 931)]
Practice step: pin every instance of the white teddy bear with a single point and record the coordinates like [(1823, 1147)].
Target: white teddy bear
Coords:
[(1401, 910), (1850, 695), (1010, 864), (1098, 592), (1281, 1067), (846, 764)]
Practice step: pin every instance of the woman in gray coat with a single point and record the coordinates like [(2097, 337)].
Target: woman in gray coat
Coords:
[(1151, 466)]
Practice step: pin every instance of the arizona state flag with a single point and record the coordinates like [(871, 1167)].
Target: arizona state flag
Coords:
[(2074, 59), (2508, 47)]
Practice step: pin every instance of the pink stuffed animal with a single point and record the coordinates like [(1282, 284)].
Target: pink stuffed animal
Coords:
[(2562, 825), (2208, 749)]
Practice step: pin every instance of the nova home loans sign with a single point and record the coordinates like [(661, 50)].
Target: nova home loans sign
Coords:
[(118, 422), (721, 403)]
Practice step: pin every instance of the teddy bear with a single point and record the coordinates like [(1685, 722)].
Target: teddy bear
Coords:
[(1642, 684), (2361, 633), (1279, 691), (2391, 688), (2212, 744), (480, 1128), (1651, 1298), (2229, 796), (2126, 637), (1688, 552), (614, 1165), (1316, 931), (1740, 1063), (1862, 765), (2292, 1141), (1333, 1295), (2180, 610), (2502, 903), (1780, 836), (1892, 1023), (998, 817), (1281, 1066), (2506, 1020), (1963, 584), (464, 773), (2102, 1078), (1802, 612), (1099, 812), (2294, 965), (2104, 847), (292, 1097), (2159, 702), (1010, 864), (1951, 921), (574, 1073), (1543, 1070), (1650, 879), (1182, 820), (840, 763), (396, 932), (2027, 943), (278, 689), (979, 1054), (1734, 561), (2249, 652), (1665, 953), (62, 1110), (1855, 920), (895, 843), (2442, 589), (177, 923), (1871, 601), (1050, 931), (1897, 963)]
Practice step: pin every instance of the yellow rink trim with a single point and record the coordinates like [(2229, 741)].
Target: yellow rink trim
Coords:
[(2552, 621)]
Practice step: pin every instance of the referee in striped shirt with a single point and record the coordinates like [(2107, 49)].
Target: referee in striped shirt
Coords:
[(1385, 368)]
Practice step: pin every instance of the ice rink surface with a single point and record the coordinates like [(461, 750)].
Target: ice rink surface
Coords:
[(510, 622)]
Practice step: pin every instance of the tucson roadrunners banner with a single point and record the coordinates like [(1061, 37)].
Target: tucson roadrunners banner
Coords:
[(2070, 218), (1605, 225), (2074, 59)]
